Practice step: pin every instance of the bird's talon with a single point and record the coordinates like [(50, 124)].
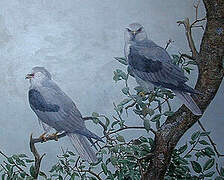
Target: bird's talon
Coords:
[(43, 137), (54, 136)]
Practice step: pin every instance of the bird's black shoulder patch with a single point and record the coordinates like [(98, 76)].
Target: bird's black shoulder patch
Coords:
[(141, 63), (38, 102)]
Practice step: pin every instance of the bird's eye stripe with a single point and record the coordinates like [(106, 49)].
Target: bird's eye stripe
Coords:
[(140, 29), (128, 29)]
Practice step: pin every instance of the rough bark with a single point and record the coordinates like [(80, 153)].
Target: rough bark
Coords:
[(210, 58)]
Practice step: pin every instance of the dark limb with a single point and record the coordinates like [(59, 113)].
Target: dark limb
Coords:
[(37, 157)]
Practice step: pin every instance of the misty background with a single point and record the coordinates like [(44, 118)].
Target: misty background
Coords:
[(76, 41)]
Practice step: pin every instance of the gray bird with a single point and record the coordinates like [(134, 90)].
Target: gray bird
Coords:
[(55, 109), (152, 66)]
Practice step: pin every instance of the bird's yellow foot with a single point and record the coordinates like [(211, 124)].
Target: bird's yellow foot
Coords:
[(54, 136), (43, 137)]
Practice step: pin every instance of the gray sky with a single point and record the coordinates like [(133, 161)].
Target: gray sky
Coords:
[(76, 41)]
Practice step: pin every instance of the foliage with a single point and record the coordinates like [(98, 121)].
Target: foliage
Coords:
[(120, 158)]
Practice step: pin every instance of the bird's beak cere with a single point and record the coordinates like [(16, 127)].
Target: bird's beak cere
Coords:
[(29, 76)]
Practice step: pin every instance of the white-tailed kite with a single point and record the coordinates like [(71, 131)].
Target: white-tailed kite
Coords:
[(152, 66), (55, 109)]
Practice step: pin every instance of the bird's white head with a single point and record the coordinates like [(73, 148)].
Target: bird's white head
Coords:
[(38, 75), (135, 32)]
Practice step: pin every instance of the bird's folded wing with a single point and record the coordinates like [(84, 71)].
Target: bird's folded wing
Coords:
[(55, 106), (154, 69)]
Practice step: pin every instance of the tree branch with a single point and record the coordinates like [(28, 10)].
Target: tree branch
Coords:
[(210, 67), (191, 44), (37, 157)]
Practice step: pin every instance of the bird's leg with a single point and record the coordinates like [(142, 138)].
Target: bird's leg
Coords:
[(54, 136), (43, 137)]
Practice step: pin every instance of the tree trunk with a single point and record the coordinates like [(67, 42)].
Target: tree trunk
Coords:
[(211, 59)]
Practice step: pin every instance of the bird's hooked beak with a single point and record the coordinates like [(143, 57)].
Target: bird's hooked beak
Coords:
[(29, 76), (133, 34)]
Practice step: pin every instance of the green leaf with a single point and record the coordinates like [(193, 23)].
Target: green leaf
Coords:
[(168, 113), (188, 156), (192, 62), (43, 174), (104, 167), (146, 124), (148, 111), (96, 120), (188, 70), (107, 121), (125, 101), (209, 163), (182, 161), (10, 160), (121, 60), (119, 75), (95, 114), (156, 118), (60, 177), (22, 156), (210, 174), (23, 174), (209, 151), (196, 166), (114, 123), (29, 160), (3, 176), (219, 178), (176, 58), (71, 153), (139, 89), (195, 135), (182, 148), (222, 171), (125, 90), (32, 171), (120, 138), (138, 112), (74, 174), (203, 142), (205, 133)]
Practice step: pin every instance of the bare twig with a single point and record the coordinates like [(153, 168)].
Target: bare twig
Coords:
[(37, 157), (91, 172), (186, 56), (168, 43), (130, 127), (191, 44), (211, 141), (188, 28)]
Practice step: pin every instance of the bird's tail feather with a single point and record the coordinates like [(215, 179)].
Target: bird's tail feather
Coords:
[(89, 134), (189, 102), (82, 147)]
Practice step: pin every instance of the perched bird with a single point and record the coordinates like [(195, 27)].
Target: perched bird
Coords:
[(152, 67), (55, 109)]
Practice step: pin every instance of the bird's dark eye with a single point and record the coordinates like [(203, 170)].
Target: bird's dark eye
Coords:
[(128, 30), (140, 29)]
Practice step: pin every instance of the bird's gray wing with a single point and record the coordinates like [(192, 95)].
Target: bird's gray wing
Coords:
[(56, 109), (151, 65)]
